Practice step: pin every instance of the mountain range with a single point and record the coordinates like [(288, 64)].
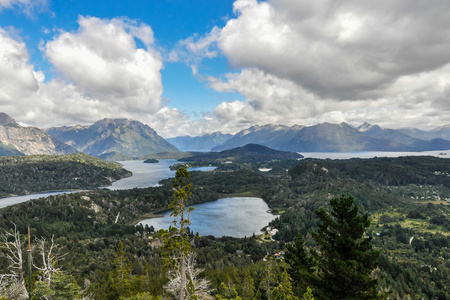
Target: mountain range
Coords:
[(113, 139), (200, 143), (327, 137), (123, 139)]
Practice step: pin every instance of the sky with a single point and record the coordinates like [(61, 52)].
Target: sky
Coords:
[(201, 66)]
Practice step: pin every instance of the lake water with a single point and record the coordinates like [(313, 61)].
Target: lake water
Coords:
[(372, 154), (8, 201), (144, 175), (236, 217)]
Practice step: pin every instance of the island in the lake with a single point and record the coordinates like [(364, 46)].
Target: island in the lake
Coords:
[(151, 161)]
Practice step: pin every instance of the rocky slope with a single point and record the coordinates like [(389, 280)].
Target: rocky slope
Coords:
[(110, 138), (19, 140)]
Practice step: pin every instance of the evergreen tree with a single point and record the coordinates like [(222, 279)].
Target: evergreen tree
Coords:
[(62, 286), (283, 291), (120, 281), (308, 295), (300, 262), (345, 258), (177, 238), (248, 287)]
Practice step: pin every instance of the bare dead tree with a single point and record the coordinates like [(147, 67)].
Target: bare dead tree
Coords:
[(51, 253), (50, 259), (194, 286), (14, 282)]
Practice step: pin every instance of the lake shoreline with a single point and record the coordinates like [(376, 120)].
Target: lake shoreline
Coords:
[(242, 216)]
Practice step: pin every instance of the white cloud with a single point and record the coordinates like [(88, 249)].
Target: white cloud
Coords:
[(305, 62), (415, 101), (295, 62), (339, 49), (17, 79), (28, 7), (195, 48), (100, 73), (102, 61)]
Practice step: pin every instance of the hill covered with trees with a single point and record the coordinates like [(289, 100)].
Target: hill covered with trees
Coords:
[(38, 173)]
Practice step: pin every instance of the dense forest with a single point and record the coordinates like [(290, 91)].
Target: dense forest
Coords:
[(107, 257), (21, 175)]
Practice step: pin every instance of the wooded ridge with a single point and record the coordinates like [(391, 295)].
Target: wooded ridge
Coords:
[(21, 175)]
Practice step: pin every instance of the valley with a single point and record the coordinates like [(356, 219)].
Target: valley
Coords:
[(406, 198)]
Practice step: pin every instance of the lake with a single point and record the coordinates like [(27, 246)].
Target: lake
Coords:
[(372, 154), (236, 217), (144, 175)]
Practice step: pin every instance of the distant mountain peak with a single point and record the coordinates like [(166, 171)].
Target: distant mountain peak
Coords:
[(366, 126), (18, 140), (6, 120), (118, 136)]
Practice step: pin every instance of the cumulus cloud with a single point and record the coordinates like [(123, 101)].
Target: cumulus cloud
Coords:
[(17, 77), (305, 62), (102, 61), (339, 49), (100, 72), (413, 101)]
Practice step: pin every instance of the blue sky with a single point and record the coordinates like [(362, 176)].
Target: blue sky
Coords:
[(194, 67)]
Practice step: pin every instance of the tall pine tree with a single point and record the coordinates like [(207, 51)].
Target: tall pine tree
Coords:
[(345, 258)]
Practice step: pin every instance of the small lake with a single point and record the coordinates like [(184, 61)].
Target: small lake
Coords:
[(236, 217)]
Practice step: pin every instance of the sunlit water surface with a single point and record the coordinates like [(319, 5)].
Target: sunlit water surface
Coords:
[(237, 217), (144, 175)]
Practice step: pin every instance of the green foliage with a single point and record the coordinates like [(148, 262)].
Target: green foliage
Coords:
[(120, 280), (308, 295), (151, 161), (284, 290), (142, 296), (300, 262), (414, 255), (38, 173), (182, 192), (176, 240), (343, 264), (345, 260), (62, 287), (248, 154)]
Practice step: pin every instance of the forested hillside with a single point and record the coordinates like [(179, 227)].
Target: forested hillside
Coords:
[(406, 199), (37, 173)]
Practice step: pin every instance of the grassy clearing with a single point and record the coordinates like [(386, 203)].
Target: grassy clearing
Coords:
[(435, 202), (398, 217)]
